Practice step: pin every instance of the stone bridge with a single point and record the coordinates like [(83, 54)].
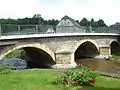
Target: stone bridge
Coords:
[(61, 50)]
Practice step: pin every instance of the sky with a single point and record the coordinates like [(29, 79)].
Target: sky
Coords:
[(108, 10)]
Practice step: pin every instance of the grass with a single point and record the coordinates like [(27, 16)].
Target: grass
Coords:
[(40, 80), (105, 83), (29, 80), (114, 58)]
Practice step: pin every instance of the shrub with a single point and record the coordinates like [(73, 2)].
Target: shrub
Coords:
[(5, 69), (20, 55), (15, 63), (78, 76), (114, 58)]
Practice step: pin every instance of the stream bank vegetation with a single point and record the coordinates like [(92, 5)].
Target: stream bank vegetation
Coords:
[(115, 57)]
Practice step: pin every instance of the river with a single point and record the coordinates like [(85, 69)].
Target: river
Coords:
[(111, 68)]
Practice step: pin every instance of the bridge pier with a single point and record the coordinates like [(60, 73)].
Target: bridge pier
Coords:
[(64, 60), (105, 52)]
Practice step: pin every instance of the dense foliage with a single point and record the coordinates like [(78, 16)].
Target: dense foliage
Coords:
[(16, 55), (79, 76), (92, 23), (38, 19)]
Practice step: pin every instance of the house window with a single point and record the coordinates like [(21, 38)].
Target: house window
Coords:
[(61, 23), (64, 23)]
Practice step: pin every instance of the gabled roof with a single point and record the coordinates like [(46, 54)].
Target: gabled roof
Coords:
[(72, 20), (44, 28), (115, 26), (50, 29)]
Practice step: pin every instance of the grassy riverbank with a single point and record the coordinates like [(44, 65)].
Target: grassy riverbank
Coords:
[(40, 80), (114, 58)]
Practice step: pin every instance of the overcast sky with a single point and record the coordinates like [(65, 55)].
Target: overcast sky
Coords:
[(108, 10)]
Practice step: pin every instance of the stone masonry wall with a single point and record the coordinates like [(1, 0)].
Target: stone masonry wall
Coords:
[(66, 45)]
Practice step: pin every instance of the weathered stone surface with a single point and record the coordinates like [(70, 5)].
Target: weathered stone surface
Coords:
[(59, 44), (105, 50)]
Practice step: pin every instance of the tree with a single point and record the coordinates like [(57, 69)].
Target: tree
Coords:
[(38, 18), (92, 22), (101, 23), (7, 21), (84, 22), (77, 21)]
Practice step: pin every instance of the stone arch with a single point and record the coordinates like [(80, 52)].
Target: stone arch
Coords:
[(86, 40), (12, 48), (114, 47), (86, 49), (114, 41)]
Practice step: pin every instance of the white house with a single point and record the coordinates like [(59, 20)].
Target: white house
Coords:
[(50, 30), (69, 25)]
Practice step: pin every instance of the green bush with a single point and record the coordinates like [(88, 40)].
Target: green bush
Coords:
[(5, 69), (114, 58), (16, 55), (78, 76)]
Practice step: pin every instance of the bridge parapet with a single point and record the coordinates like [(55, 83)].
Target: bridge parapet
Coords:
[(11, 29)]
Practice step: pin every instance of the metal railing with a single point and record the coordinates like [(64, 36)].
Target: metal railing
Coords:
[(25, 29), (10, 29)]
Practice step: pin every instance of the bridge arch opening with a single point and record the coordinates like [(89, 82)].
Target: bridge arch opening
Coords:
[(115, 48), (86, 50), (35, 56)]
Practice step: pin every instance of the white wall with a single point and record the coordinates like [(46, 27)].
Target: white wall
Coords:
[(66, 26)]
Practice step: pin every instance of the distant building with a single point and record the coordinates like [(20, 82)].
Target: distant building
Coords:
[(50, 30), (69, 25), (41, 29), (46, 29), (115, 28)]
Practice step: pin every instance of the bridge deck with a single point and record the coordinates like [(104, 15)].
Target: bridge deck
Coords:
[(56, 35)]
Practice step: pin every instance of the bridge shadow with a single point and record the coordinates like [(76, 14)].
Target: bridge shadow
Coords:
[(115, 48), (86, 50), (37, 58)]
